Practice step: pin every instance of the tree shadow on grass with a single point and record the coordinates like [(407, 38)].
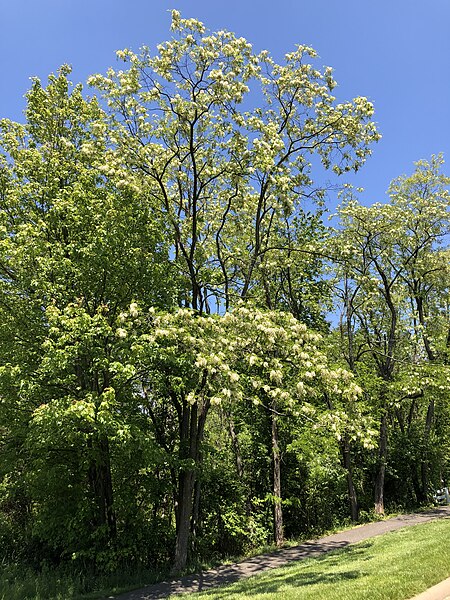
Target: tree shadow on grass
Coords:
[(275, 585), (256, 575), (272, 583)]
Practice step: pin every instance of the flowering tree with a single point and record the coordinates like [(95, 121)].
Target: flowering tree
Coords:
[(223, 140), (124, 223), (192, 363), (390, 264)]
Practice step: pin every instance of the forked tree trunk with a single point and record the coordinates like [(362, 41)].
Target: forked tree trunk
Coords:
[(192, 425)]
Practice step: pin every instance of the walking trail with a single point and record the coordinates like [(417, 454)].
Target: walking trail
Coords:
[(226, 574)]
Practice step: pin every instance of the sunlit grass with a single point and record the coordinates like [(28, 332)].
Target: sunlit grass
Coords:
[(395, 566)]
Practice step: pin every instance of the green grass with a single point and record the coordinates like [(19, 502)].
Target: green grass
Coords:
[(19, 583), (395, 566)]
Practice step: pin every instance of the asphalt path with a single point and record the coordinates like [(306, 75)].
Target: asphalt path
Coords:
[(225, 574)]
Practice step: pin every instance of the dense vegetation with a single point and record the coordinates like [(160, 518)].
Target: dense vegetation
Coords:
[(170, 387)]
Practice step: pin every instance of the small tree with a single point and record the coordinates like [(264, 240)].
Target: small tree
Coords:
[(193, 362)]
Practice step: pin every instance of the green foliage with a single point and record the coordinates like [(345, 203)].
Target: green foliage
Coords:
[(162, 289), (395, 321), (18, 582)]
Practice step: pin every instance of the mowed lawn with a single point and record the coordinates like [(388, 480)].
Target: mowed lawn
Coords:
[(394, 566)]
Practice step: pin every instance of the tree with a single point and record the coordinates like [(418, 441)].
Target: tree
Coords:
[(189, 184), (75, 251), (388, 259), (229, 180), (267, 358)]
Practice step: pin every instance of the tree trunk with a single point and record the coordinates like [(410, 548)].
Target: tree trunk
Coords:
[(192, 424), (417, 488), (347, 463), (277, 508), (195, 519), (381, 471), (101, 484), (185, 502), (424, 465)]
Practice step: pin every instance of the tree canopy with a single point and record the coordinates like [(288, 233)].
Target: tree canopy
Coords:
[(172, 385)]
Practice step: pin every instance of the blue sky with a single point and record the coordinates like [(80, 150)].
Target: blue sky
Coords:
[(394, 52)]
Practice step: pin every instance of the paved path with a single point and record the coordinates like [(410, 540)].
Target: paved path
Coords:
[(230, 573), (441, 591)]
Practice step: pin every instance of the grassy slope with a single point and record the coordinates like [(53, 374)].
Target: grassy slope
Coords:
[(391, 567), (394, 566)]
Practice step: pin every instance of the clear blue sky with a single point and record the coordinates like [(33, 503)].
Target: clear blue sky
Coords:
[(395, 52)]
